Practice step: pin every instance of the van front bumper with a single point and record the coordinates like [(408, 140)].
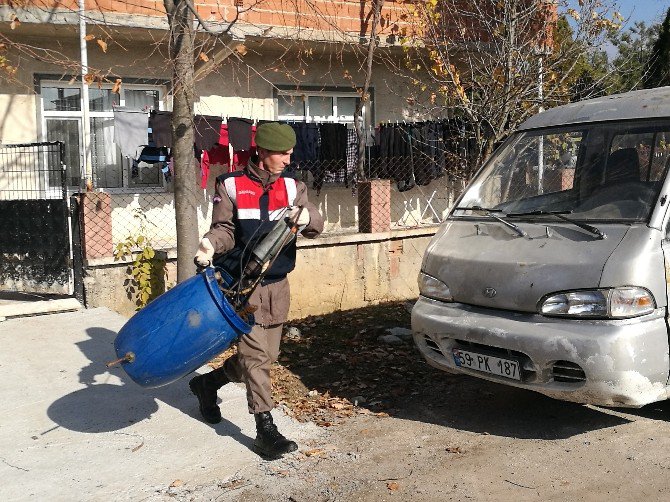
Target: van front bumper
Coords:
[(601, 362)]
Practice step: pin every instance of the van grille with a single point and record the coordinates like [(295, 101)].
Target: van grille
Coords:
[(565, 371), (432, 345)]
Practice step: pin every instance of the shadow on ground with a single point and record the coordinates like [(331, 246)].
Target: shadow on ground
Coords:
[(341, 355), (102, 407)]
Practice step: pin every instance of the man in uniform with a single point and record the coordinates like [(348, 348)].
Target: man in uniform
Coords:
[(247, 204)]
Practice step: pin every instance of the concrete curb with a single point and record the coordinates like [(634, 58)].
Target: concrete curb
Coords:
[(23, 308)]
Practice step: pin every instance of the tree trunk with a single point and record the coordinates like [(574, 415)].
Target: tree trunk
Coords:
[(365, 96), (180, 18)]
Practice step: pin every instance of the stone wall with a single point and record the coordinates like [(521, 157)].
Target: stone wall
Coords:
[(333, 273)]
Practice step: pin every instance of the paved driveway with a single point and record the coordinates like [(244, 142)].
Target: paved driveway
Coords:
[(70, 429)]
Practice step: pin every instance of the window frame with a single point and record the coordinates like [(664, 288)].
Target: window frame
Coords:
[(53, 81), (304, 93)]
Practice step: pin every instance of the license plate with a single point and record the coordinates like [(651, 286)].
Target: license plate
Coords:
[(507, 368)]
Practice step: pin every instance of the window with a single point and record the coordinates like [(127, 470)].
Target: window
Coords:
[(318, 106), (601, 171), (62, 121)]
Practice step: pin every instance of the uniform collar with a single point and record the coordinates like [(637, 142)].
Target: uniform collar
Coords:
[(259, 175)]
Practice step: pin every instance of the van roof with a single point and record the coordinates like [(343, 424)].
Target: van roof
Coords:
[(647, 103)]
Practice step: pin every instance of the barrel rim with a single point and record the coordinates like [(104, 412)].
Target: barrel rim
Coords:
[(221, 301)]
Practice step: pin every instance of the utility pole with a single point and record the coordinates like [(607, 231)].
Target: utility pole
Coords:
[(86, 121)]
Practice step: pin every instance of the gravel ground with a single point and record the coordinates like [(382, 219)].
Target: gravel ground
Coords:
[(396, 429)]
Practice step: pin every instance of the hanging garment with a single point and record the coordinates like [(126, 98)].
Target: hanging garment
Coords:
[(161, 128), (307, 142), (131, 130), (241, 157), (218, 155), (223, 135), (422, 161), (207, 131), (166, 173), (154, 154), (403, 169), (386, 138), (332, 154), (352, 157), (239, 133), (333, 142)]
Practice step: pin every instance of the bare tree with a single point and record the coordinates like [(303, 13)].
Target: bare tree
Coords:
[(364, 91), (181, 16), (491, 63), (189, 39)]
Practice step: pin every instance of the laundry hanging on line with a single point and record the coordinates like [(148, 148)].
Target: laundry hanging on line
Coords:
[(131, 131), (160, 124), (219, 156)]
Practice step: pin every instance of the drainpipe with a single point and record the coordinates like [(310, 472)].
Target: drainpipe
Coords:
[(86, 121)]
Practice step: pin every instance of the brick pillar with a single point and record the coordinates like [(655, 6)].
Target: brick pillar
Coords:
[(95, 213), (374, 206)]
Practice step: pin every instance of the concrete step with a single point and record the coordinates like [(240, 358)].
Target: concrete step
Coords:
[(16, 304)]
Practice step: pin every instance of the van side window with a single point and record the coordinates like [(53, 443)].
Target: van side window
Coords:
[(660, 160)]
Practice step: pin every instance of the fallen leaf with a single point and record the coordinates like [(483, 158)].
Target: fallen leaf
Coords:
[(15, 23), (102, 44), (393, 486), (117, 86), (89, 37), (313, 452), (454, 449), (203, 57), (176, 482), (241, 49)]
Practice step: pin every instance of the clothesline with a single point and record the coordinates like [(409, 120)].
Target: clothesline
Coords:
[(328, 150)]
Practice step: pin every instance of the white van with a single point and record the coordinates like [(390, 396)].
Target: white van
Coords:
[(551, 272)]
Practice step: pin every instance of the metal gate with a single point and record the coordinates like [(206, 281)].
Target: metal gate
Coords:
[(35, 224)]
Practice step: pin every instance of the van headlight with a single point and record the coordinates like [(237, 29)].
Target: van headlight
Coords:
[(616, 303), (434, 288)]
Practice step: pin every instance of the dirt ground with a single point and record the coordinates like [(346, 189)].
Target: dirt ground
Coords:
[(394, 428)]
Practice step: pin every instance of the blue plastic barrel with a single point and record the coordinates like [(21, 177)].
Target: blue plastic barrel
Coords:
[(179, 331)]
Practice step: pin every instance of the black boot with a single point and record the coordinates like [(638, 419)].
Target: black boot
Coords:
[(269, 441), (204, 387)]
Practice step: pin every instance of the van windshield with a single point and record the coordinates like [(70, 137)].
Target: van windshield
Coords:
[(604, 172)]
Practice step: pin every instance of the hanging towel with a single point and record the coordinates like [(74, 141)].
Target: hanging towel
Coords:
[(239, 133), (161, 128), (130, 131), (207, 131)]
